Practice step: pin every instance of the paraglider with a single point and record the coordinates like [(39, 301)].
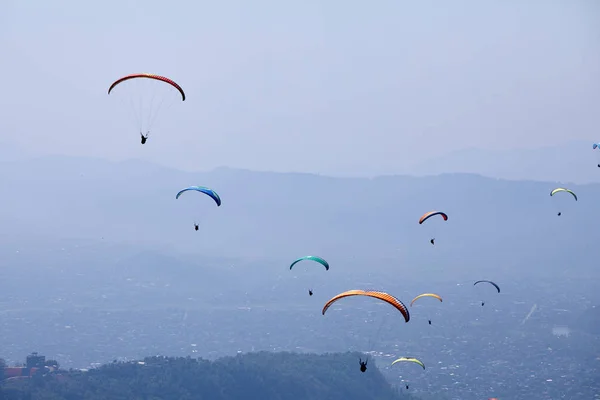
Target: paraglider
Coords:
[(393, 301), (596, 146), (491, 283), (311, 258), (146, 94), (207, 191), (435, 296), (409, 359), (563, 190), (430, 214)]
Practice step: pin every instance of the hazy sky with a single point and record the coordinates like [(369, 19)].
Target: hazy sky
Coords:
[(308, 85)]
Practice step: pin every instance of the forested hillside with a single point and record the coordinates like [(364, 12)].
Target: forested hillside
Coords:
[(264, 376)]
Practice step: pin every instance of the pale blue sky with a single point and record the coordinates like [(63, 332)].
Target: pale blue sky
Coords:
[(334, 86)]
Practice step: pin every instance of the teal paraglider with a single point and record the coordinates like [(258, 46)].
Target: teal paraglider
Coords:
[(311, 258)]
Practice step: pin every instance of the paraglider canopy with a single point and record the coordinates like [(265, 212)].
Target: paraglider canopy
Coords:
[(559, 190), (148, 76), (430, 214), (435, 296), (388, 298), (312, 258), (409, 359), (209, 192)]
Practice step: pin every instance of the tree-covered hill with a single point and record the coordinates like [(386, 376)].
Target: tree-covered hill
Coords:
[(264, 376)]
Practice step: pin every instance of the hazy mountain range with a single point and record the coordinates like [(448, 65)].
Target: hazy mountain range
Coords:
[(574, 161), (268, 214)]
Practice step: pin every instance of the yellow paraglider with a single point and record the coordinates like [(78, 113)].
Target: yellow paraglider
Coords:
[(409, 359), (558, 190), (425, 295), (435, 296)]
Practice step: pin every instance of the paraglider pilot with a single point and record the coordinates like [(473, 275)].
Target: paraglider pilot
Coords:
[(196, 226), (363, 365), (432, 241), (310, 293), (144, 138)]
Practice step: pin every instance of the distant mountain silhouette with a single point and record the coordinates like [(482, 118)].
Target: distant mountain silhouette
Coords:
[(572, 162)]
